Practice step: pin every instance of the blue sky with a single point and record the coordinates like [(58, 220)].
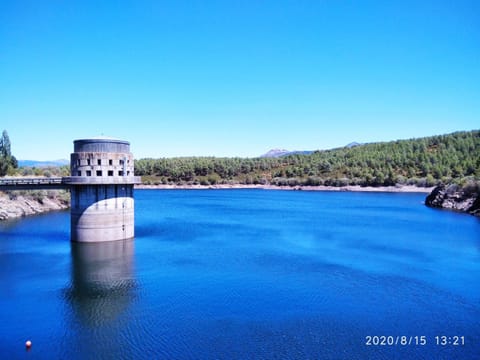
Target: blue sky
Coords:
[(235, 78)]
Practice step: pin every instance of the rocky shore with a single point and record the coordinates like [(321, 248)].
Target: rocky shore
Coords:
[(27, 204), (453, 197)]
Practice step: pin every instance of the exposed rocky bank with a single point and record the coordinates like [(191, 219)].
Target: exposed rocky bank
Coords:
[(453, 197), (23, 205)]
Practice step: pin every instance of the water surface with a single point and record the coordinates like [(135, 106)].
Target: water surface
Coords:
[(245, 274)]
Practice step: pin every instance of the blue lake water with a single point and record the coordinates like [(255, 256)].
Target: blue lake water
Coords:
[(246, 274)]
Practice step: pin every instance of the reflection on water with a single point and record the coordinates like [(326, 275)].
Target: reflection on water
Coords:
[(103, 282)]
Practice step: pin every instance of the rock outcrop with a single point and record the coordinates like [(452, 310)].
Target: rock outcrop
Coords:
[(24, 205), (453, 197)]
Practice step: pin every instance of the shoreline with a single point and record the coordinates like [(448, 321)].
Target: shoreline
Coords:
[(349, 188), (22, 206)]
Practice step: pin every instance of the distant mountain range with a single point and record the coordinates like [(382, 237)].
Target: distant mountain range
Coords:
[(38, 164), (353, 144), (282, 152), (274, 153)]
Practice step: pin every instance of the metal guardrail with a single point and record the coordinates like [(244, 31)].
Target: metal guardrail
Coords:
[(63, 182), (31, 181), (38, 183)]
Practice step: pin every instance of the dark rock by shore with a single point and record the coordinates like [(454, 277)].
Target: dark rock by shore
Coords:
[(454, 197)]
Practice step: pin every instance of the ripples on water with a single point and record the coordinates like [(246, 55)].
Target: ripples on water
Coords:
[(245, 274)]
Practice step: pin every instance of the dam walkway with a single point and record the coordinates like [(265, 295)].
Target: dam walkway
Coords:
[(34, 183)]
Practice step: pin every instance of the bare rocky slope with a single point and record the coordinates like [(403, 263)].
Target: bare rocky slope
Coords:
[(453, 197), (27, 204)]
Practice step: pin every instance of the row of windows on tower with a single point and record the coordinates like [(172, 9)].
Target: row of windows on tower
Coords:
[(99, 162), (100, 173)]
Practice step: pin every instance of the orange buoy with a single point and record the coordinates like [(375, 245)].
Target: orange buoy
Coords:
[(28, 344)]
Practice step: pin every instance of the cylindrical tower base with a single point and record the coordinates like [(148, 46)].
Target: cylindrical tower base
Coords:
[(102, 212)]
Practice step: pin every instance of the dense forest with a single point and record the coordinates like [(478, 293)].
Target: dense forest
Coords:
[(422, 162)]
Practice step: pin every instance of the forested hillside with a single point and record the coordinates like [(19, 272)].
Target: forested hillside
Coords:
[(422, 162)]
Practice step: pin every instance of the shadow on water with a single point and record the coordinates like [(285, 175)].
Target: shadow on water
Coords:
[(103, 281)]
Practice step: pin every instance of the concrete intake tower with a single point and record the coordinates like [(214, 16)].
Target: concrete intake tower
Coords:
[(101, 184)]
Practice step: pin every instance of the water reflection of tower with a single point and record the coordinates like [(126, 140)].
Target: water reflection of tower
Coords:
[(103, 283)]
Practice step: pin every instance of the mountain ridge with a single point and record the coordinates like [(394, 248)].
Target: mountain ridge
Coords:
[(43, 163), (274, 153)]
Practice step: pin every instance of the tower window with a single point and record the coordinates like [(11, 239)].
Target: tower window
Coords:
[(99, 161), (88, 161), (110, 162), (110, 172), (89, 173), (99, 172), (120, 173), (79, 173)]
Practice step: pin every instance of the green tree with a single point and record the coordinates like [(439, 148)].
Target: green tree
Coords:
[(7, 160)]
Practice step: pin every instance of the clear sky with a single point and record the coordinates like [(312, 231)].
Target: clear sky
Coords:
[(235, 78)]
